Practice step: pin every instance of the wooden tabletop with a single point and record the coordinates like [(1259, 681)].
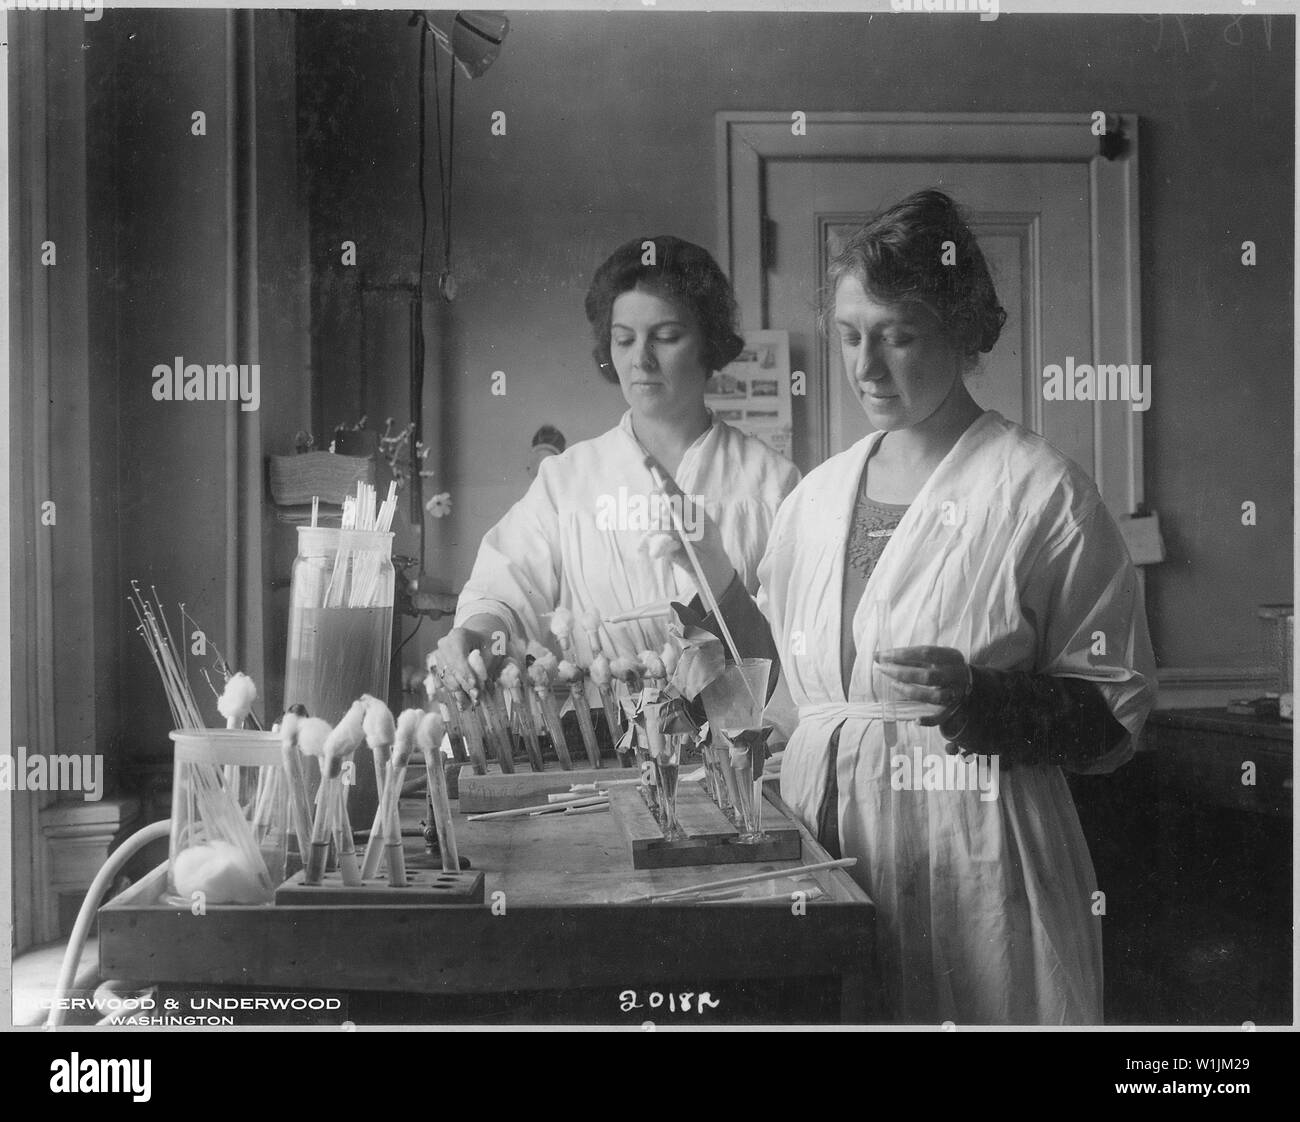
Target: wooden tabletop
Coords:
[(568, 917), (583, 859)]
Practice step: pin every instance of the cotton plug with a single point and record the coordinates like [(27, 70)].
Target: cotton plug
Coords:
[(347, 737), (312, 734), (404, 737), (659, 545), (562, 623), (236, 700), (429, 733), (669, 655), (623, 668), (477, 665), (600, 670), (378, 723), (567, 671)]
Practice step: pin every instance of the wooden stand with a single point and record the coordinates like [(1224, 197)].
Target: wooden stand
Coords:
[(425, 887), (710, 838), (480, 794)]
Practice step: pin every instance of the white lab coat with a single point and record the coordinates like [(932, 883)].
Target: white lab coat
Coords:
[(1008, 555), (574, 539)]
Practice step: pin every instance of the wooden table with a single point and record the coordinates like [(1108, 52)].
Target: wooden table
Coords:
[(566, 918)]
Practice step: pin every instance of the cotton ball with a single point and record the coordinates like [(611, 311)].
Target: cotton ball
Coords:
[(670, 655), (567, 672), (623, 668), (510, 675), (220, 871), (378, 722), (658, 544), (431, 685), (539, 674), (591, 620), (312, 734), (404, 738), (654, 665), (236, 700), (429, 735), (600, 670), (562, 623), (476, 664)]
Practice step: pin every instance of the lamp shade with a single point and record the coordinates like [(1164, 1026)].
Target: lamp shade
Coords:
[(472, 38)]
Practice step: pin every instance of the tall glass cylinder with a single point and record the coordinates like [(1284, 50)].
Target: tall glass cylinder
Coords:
[(340, 634)]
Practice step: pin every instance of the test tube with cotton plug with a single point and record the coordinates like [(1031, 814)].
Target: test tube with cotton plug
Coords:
[(386, 835), (521, 712), (495, 724), (429, 738), (542, 673), (291, 758), (331, 800)]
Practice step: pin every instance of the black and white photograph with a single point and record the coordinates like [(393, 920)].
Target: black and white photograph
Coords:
[(637, 517)]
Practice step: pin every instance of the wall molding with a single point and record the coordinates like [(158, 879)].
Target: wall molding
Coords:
[(1194, 687)]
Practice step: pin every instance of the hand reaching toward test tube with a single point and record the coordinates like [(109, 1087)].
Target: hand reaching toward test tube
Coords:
[(935, 676), (693, 532), (479, 634)]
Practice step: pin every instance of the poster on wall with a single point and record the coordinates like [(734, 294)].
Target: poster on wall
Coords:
[(753, 392)]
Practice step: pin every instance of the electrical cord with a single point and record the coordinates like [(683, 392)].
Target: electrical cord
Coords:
[(89, 906)]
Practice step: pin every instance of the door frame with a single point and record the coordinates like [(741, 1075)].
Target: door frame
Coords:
[(745, 141)]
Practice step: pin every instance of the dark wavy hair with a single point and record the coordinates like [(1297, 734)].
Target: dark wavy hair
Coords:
[(683, 273), (898, 257)]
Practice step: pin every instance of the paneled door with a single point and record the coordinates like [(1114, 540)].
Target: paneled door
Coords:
[(1051, 222)]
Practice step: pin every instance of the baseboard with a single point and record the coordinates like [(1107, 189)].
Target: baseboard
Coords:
[(77, 837)]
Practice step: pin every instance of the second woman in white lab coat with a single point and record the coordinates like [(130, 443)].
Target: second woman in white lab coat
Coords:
[(664, 318)]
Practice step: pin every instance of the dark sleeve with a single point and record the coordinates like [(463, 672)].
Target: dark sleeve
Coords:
[(748, 626), (1033, 719)]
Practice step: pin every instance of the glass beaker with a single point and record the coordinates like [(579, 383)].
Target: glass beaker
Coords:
[(341, 634), (734, 703), (230, 807)]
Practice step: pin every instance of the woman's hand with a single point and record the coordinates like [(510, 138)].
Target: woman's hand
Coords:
[(479, 634), (703, 533), (937, 676)]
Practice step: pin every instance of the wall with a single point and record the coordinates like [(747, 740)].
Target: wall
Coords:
[(610, 135), (178, 270)]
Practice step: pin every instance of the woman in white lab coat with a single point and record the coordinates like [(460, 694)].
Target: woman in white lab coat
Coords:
[(958, 620), (664, 318)]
